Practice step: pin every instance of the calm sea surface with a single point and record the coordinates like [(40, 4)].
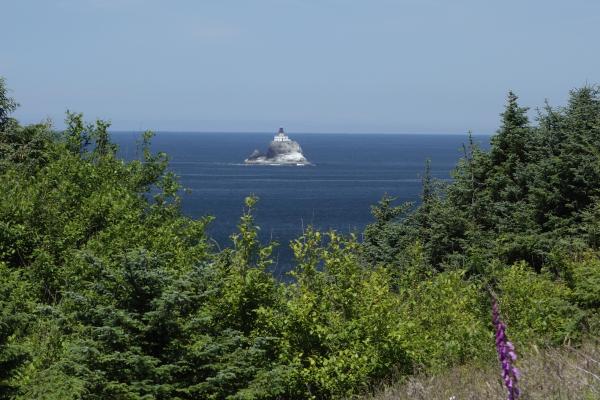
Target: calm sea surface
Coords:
[(351, 173)]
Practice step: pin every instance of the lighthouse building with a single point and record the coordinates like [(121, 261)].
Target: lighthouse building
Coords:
[(281, 136)]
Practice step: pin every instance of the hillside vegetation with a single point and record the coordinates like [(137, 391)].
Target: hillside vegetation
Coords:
[(561, 373), (108, 291)]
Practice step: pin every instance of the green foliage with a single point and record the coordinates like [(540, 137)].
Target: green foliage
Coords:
[(7, 106), (231, 347), (340, 318), (443, 321), (509, 145), (385, 239), (14, 315), (27, 147), (535, 190), (109, 291), (53, 372), (584, 280), (536, 307)]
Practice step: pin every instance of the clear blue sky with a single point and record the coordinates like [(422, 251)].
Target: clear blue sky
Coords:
[(308, 65)]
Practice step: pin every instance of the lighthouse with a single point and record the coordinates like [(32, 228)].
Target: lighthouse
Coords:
[(281, 136), (282, 151)]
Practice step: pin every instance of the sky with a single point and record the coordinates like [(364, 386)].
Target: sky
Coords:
[(382, 66)]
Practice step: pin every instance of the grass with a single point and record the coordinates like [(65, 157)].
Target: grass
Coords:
[(547, 373)]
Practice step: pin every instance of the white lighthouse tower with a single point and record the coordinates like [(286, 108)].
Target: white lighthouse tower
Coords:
[(281, 136)]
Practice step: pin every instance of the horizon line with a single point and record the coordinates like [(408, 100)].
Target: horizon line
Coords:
[(300, 132)]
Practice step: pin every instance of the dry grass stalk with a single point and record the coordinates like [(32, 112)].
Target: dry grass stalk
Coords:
[(564, 373)]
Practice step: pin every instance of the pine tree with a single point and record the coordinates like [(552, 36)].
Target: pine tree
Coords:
[(427, 197), (509, 144), (7, 106)]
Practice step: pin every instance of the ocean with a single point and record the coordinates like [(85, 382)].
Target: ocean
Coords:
[(351, 173)]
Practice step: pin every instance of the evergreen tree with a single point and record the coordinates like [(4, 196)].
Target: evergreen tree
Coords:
[(7, 106), (509, 145)]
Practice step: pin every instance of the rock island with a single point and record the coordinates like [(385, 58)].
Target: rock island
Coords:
[(281, 151)]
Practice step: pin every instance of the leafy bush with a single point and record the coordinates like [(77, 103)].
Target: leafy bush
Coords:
[(536, 307), (339, 318), (585, 284), (443, 323)]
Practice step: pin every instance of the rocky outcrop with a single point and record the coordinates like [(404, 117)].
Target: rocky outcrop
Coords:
[(280, 152)]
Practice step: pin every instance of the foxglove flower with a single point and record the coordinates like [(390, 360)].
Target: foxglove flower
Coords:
[(506, 355)]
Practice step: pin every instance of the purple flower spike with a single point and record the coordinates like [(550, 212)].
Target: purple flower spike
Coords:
[(506, 355)]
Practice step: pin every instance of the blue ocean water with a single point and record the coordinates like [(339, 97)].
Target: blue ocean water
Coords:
[(351, 172)]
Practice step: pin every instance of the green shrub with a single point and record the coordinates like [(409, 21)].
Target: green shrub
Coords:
[(585, 276), (340, 319), (442, 322), (536, 308)]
